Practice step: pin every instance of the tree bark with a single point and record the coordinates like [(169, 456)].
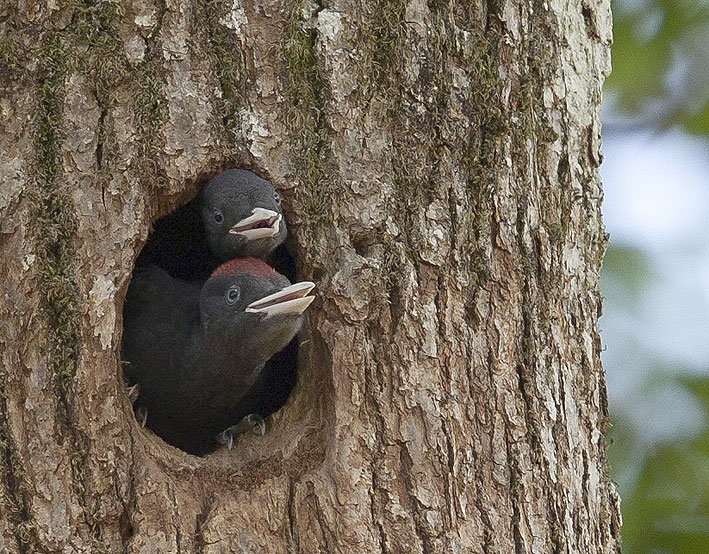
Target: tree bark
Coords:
[(438, 164)]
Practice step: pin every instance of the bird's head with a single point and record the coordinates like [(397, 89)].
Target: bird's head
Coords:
[(242, 215), (251, 308)]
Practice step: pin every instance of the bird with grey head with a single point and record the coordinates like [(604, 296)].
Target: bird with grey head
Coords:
[(242, 215)]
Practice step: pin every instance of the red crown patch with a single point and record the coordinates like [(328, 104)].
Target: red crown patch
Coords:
[(250, 266)]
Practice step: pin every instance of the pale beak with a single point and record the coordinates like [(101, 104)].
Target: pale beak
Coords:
[(291, 300), (262, 223)]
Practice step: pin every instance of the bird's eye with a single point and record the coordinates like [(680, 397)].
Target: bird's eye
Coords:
[(232, 295), (218, 217), (277, 198)]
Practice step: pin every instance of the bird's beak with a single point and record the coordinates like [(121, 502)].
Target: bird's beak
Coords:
[(291, 300), (262, 223)]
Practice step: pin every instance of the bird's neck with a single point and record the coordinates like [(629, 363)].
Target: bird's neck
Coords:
[(239, 354), (269, 338), (221, 361)]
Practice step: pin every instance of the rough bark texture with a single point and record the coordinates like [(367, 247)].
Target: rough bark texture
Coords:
[(438, 165)]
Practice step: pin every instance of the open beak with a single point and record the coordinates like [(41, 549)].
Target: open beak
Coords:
[(262, 223), (291, 300)]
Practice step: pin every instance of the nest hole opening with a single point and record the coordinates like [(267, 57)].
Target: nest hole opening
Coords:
[(179, 246)]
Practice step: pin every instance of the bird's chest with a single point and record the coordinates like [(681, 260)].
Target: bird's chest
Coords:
[(216, 388)]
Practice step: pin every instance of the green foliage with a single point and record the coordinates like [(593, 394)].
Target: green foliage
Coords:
[(667, 509), (652, 39), (626, 274), (664, 485), (660, 56)]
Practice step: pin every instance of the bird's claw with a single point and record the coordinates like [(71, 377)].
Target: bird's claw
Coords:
[(251, 422), (258, 425), (141, 414), (133, 393)]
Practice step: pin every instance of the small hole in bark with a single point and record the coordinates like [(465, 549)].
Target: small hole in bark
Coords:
[(179, 247), (362, 244), (125, 526), (360, 247)]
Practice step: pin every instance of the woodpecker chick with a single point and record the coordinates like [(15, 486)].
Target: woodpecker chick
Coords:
[(197, 353), (242, 215)]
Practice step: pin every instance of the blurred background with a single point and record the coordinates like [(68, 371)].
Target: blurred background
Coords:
[(655, 279)]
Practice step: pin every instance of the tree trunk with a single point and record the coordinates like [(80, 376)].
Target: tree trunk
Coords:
[(438, 164)]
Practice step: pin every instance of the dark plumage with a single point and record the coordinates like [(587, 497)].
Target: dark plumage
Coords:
[(198, 353), (242, 215), (238, 214)]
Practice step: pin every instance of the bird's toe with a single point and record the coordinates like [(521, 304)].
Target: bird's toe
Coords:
[(252, 422)]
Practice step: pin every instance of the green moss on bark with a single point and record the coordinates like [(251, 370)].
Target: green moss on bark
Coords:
[(54, 226), (224, 47), (380, 38), (14, 492), (307, 94), (88, 46), (53, 216)]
